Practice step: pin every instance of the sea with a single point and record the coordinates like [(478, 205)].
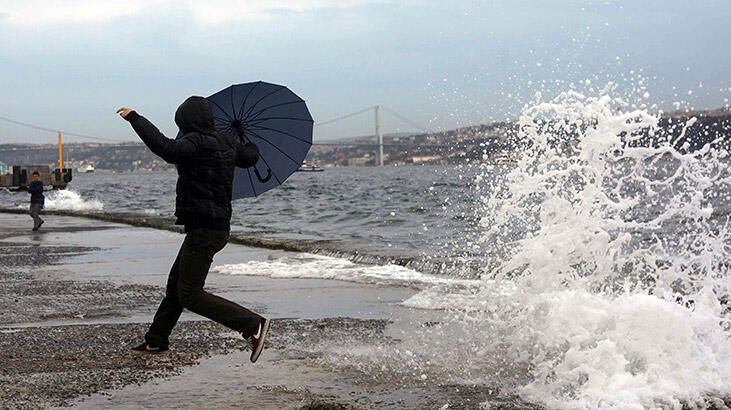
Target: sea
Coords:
[(584, 273)]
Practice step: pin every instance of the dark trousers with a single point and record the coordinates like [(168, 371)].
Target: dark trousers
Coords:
[(185, 290), (35, 213)]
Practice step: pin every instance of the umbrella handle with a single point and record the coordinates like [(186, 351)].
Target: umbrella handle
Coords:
[(266, 178)]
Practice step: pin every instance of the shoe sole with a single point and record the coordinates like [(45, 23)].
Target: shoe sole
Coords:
[(264, 331), (157, 351)]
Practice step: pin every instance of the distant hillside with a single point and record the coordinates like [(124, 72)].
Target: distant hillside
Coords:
[(118, 157), (453, 146)]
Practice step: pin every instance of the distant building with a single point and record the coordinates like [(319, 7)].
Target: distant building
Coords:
[(359, 161), (4, 169), (425, 158)]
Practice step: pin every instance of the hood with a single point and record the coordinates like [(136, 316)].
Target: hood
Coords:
[(195, 115)]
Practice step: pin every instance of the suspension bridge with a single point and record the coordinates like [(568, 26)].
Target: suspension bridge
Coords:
[(376, 111)]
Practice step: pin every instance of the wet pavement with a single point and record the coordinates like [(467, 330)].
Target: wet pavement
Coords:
[(80, 293), (126, 255)]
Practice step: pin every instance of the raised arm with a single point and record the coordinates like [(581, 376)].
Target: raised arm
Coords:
[(247, 155), (170, 150)]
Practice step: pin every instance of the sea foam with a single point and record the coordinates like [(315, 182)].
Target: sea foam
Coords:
[(613, 287), (69, 200), (618, 261), (310, 266)]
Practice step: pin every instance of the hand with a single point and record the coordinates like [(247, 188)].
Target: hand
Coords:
[(124, 111)]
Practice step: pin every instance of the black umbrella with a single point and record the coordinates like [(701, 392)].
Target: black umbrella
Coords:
[(276, 120)]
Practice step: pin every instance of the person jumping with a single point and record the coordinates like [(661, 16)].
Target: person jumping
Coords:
[(205, 159)]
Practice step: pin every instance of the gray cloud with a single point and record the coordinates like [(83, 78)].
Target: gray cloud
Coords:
[(441, 63)]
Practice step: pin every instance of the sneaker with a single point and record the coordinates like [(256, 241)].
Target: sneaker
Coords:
[(148, 348), (256, 341), (34, 229)]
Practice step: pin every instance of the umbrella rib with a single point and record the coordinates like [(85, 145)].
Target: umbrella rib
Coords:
[(276, 147), (233, 107), (241, 109), (262, 128), (256, 114), (222, 120), (260, 120), (246, 114), (231, 131), (235, 133), (222, 110), (251, 181)]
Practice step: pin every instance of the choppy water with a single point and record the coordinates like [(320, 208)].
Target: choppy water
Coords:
[(409, 212), (591, 274)]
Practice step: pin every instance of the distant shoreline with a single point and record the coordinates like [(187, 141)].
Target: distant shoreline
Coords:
[(454, 146)]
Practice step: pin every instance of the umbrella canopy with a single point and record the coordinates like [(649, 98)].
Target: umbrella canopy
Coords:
[(276, 120)]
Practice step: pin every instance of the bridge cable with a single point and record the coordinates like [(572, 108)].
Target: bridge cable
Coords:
[(38, 127)]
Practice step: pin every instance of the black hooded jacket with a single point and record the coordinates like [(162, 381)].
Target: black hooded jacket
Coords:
[(205, 159), (35, 189)]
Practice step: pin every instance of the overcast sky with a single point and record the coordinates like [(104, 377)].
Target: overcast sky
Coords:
[(69, 64)]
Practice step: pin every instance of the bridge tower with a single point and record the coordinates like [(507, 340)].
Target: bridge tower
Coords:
[(379, 136)]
